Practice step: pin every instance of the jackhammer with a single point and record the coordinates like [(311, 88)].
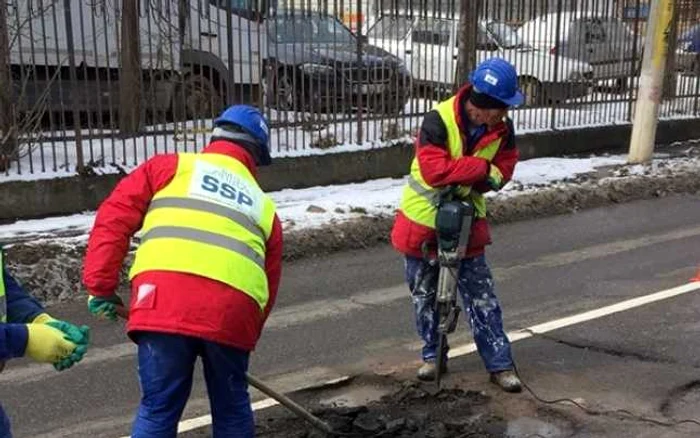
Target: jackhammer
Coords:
[(452, 226)]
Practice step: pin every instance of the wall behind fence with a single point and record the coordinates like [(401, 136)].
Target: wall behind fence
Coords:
[(328, 73)]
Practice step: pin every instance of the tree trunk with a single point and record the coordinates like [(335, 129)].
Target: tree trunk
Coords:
[(671, 78), (466, 40), (8, 134), (130, 87)]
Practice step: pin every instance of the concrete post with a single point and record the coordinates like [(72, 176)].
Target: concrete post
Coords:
[(651, 81)]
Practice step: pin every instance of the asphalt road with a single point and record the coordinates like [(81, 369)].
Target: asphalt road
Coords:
[(350, 312)]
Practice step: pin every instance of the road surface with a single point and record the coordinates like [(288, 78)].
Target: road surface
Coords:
[(350, 312)]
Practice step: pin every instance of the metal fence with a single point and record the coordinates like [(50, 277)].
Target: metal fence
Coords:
[(102, 85)]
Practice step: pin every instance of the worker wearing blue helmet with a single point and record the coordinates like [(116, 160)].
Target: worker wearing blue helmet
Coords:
[(205, 275), (466, 142)]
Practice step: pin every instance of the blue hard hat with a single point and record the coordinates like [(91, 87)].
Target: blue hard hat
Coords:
[(251, 121), (497, 78)]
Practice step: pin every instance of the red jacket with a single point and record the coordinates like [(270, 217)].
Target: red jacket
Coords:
[(183, 303), (438, 169)]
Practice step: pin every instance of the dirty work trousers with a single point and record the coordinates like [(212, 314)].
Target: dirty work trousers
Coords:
[(475, 285), (165, 367), (5, 430)]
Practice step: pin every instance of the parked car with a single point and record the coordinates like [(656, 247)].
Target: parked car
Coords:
[(429, 45), (316, 63), (606, 43), (688, 51)]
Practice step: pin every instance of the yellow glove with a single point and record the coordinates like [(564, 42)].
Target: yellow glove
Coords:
[(77, 335), (47, 344)]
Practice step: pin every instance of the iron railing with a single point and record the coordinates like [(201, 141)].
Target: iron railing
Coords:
[(331, 75)]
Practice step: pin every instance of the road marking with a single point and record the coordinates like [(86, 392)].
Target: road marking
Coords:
[(514, 336), (518, 335), (312, 311)]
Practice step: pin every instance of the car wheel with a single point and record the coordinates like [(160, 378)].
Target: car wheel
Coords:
[(533, 91), (196, 97), (279, 92)]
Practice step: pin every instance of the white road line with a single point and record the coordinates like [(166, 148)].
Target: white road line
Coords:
[(205, 420), (514, 336), (518, 335)]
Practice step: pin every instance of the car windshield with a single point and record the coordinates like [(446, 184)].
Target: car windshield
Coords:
[(308, 28), (392, 28), (506, 36)]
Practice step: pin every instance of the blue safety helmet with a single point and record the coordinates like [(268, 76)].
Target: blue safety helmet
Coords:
[(245, 124), (497, 78)]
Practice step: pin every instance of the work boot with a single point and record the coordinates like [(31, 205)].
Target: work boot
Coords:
[(507, 380), (427, 371)]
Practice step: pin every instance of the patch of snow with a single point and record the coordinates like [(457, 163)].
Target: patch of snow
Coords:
[(319, 206)]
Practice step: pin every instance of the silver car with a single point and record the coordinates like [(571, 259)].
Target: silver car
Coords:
[(606, 43), (428, 45)]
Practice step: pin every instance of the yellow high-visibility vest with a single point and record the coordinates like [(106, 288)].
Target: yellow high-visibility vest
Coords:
[(212, 220), (419, 200)]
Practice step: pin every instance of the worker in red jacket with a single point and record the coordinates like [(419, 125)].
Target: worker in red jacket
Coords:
[(205, 275), (467, 142)]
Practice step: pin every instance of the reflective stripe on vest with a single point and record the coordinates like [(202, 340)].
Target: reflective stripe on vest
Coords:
[(419, 200), (3, 299), (211, 220)]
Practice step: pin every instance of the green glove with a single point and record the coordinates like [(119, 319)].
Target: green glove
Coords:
[(494, 178), (78, 335), (48, 344), (104, 307)]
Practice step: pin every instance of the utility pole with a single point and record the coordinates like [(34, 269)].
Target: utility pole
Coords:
[(130, 88), (651, 81), (466, 40)]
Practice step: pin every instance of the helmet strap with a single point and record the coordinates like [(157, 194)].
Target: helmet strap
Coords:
[(484, 101), (243, 139)]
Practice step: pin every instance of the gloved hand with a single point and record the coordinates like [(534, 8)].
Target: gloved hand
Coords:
[(104, 307), (78, 335), (48, 344), (494, 178)]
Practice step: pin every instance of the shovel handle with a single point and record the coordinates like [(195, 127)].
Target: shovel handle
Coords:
[(319, 424), (122, 312)]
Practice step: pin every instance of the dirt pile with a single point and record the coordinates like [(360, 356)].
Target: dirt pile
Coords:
[(412, 411)]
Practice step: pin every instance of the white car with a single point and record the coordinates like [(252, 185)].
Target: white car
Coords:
[(428, 46)]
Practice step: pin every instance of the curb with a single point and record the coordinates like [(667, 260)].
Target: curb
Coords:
[(560, 199), (52, 270)]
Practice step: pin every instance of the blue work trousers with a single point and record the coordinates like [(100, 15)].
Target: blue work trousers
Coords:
[(166, 364), (475, 285), (5, 430)]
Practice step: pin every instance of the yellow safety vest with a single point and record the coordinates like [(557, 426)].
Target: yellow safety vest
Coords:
[(3, 299), (419, 200), (212, 220)]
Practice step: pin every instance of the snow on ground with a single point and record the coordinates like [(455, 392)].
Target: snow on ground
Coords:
[(329, 134), (318, 206)]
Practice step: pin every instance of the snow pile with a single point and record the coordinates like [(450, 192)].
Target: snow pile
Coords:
[(320, 206)]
